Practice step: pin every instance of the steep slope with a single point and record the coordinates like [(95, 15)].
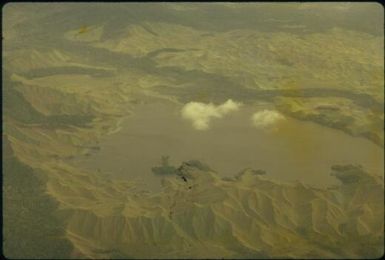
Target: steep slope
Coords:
[(29, 213), (247, 217)]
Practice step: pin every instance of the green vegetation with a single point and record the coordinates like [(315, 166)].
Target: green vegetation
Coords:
[(31, 228), (165, 169)]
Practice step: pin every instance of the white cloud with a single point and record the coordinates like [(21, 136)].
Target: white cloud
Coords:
[(200, 113), (266, 118)]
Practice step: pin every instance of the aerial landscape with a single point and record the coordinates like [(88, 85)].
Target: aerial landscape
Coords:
[(193, 130)]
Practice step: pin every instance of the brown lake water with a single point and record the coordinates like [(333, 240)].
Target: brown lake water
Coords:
[(295, 150)]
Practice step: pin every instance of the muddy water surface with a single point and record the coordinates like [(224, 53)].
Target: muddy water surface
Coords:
[(292, 150)]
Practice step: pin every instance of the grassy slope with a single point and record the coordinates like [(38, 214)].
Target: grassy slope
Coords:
[(30, 229)]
